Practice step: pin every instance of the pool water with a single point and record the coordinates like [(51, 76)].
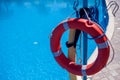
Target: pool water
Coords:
[(25, 27)]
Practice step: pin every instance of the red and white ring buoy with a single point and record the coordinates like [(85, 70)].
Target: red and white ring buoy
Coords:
[(91, 28)]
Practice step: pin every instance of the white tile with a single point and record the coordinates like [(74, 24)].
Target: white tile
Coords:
[(111, 78), (114, 73), (104, 79), (118, 28)]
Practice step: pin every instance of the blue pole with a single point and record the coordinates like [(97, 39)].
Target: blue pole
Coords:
[(85, 42)]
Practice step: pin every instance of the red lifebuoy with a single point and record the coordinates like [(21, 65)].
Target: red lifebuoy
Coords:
[(91, 28)]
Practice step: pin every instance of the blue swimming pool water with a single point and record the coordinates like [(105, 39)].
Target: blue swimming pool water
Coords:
[(25, 27)]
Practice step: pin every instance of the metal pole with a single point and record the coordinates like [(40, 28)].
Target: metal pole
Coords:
[(85, 42)]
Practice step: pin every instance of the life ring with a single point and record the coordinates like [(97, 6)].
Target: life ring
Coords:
[(91, 28)]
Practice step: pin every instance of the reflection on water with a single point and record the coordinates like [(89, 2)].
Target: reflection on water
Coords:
[(41, 5)]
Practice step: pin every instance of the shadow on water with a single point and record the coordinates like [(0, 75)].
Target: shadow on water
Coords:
[(5, 11)]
